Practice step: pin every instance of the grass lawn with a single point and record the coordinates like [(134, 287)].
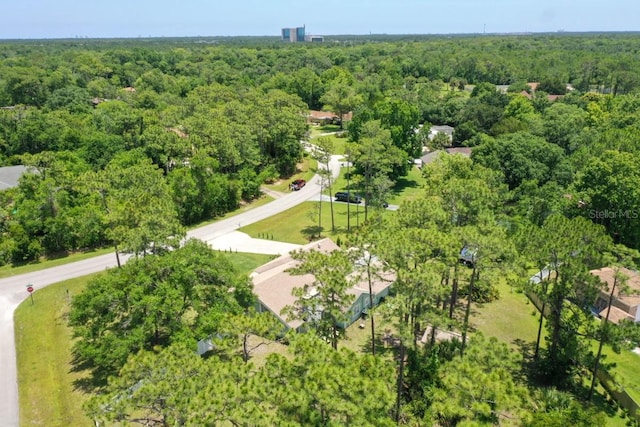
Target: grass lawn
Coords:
[(625, 372), (359, 339), (9, 270), (305, 170), (339, 143), (315, 131), (43, 345), (513, 319), (246, 263), (408, 188), (297, 224)]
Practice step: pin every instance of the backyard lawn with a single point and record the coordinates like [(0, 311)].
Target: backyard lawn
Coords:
[(625, 373), (513, 319)]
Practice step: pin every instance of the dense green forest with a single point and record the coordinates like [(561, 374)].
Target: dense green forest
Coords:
[(131, 141), (219, 119)]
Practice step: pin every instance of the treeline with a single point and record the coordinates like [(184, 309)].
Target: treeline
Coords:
[(225, 146)]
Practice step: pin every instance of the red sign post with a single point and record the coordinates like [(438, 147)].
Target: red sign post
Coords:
[(30, 290)]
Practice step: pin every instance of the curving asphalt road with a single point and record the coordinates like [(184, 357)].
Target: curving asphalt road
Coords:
[(220, 235)]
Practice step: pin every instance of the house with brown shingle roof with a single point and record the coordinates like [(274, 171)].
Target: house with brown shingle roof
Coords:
[(274, 286), (534, 86), (326, 117), (626, 296)]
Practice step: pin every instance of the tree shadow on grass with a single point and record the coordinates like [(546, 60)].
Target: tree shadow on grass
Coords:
[(312, 232), (383, 346), (527, 350), (403, 183), (92, 379), (600, 399), (88, 385)]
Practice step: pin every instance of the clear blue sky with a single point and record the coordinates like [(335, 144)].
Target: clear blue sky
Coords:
[(134, 18)]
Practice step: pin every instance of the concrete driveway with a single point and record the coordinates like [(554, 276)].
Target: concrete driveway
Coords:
[(242, 242)]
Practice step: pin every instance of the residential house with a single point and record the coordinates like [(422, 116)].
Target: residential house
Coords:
[(433, 155), (10, 176), (534, 86), (446, 129), (274, 285), (326, 117), (626, 299)]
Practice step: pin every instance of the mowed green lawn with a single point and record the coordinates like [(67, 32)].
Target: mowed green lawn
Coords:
[(48, 394), (626, 373), (512, 318), (296, 224), (46, 378)]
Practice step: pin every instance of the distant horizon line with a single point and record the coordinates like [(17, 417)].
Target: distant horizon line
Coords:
[(498, 33)]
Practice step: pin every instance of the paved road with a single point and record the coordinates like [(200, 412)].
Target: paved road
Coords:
[(221, 235)]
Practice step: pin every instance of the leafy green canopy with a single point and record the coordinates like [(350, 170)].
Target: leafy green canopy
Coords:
[(180, 296), (313, 385)]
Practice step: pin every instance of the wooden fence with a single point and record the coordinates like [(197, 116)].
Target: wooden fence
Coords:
[(619, 394), (613, 388)]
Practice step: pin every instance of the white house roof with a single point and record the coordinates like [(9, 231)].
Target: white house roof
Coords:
[(446, 129), (10, 175)]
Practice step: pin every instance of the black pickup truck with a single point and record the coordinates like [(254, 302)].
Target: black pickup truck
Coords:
[(345, 196)]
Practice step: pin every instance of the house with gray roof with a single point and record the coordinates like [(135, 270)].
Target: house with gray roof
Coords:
[(10, 176), (431, 156)]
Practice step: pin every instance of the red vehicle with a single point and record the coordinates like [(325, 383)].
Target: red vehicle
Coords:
[(298, 184)]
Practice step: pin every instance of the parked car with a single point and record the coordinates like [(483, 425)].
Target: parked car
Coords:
[(298, 184), (345, 196)]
